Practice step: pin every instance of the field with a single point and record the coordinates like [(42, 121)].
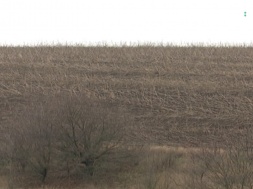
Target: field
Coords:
[(147, 117)]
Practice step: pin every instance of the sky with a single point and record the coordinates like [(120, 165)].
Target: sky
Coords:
[(33, 22)]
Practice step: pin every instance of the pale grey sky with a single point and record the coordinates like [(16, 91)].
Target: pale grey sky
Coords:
[(116, 21)]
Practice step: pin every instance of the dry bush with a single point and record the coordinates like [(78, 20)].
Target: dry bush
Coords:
[(32, 142), (228, 167), (92, 133), (159, 169)]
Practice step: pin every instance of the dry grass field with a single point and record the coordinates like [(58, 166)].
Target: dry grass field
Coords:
[(153, 117)]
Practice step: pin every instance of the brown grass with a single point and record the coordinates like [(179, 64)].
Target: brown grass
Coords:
[(178, 96)]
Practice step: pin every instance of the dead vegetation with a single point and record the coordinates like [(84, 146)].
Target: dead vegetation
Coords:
[(193, 97)]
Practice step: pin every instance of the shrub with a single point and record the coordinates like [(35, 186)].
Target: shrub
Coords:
[(91, 132), (231, 166)]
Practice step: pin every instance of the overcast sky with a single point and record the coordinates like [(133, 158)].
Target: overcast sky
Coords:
[(125, 21)]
